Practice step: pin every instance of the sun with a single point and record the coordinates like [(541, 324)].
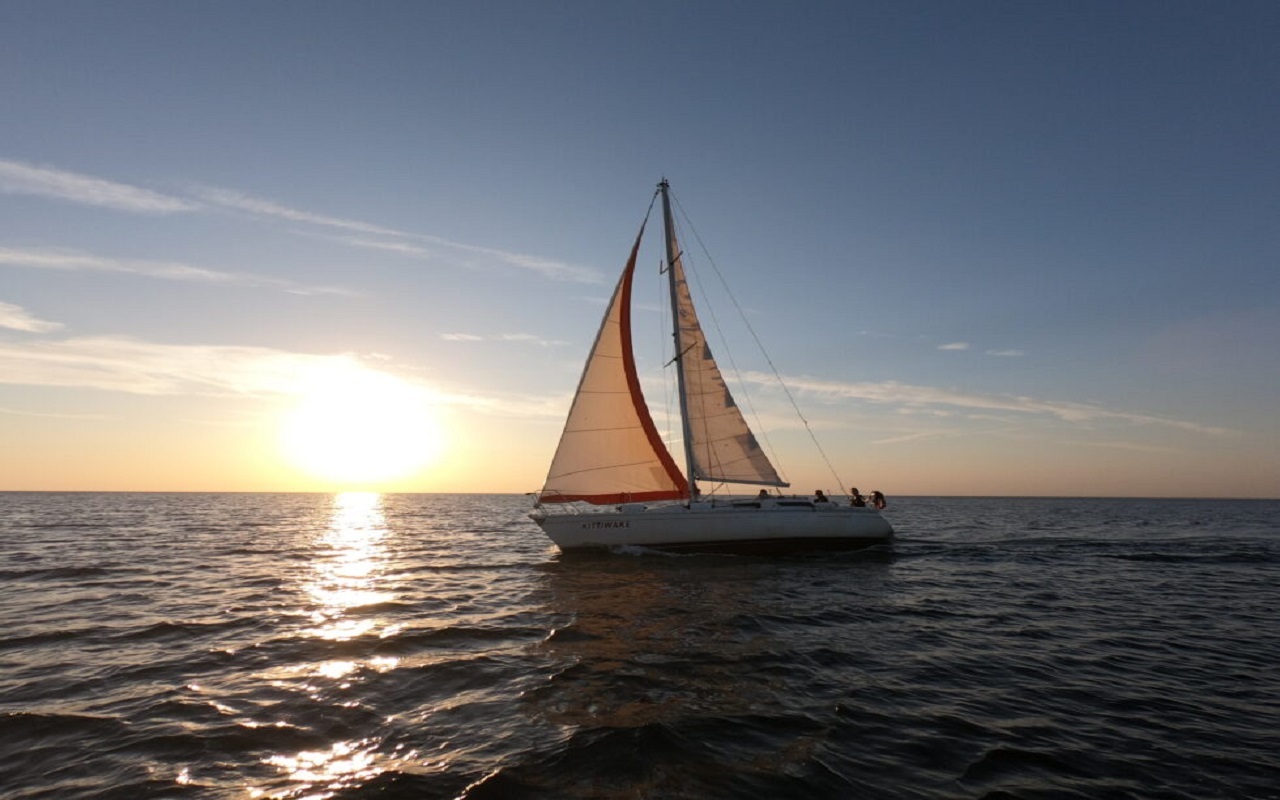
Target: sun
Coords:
[(356, 426)]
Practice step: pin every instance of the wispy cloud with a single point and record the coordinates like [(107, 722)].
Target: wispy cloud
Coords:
[(16, 318), (954, 346), (19, 178), (67, 259), (387, 245), (17, 412), (1127, 446), (396, 241), (1006, 353), (133, 366), (556, 270), (256, 206), (529, 407), (918, 436), (529, 338), (911, 396), (526, 338), (120, 364)]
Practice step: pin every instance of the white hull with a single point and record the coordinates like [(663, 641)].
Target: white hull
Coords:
[(727, 527)]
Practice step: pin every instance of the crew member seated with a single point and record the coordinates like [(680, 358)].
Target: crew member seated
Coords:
[(856, 499), (819, 497)]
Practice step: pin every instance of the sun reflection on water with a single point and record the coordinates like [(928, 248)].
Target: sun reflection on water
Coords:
[(351, 559), (324, 772), (346, 577)]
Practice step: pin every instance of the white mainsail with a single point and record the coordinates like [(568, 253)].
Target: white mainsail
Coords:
[(721, 444), (610, 450)]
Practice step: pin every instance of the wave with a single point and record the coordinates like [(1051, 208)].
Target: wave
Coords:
[(171, 630), (58, 573), (51, 724)]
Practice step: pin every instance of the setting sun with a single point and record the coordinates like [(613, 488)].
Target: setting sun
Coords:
[(356, 426)]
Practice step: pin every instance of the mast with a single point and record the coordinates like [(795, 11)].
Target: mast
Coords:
[(668, 230)]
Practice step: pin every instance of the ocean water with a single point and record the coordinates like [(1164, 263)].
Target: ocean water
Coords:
[(437, 646)]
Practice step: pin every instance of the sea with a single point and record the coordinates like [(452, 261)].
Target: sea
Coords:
[(428, 646)]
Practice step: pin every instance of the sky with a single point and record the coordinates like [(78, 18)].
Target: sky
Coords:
[(991, 248)]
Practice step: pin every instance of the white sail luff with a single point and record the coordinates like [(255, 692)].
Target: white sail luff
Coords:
[(719, 444)]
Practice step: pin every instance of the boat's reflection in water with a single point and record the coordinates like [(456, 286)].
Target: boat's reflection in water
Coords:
[(647, 636), (679, 673)]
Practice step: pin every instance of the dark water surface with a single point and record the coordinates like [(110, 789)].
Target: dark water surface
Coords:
[(437, 646)]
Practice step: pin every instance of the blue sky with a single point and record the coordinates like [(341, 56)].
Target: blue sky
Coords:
[(995, 248)]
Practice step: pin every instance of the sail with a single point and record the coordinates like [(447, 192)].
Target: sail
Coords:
[(610, 450), (721, 445)]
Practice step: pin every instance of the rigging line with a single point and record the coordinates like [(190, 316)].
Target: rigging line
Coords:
[(668, 384), (649, 210), (777, 376), (668, 378), (679, 355)]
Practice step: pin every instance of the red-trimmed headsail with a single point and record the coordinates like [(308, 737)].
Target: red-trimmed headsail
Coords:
[(610, 451)]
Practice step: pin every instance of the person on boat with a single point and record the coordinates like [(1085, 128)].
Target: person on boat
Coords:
[(764, 495), (819, 497), (877, 499), (856, 499)]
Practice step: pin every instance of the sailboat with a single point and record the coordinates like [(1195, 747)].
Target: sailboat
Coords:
[(611, 454)]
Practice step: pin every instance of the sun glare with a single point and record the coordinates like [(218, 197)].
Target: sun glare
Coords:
[(356, 426)]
